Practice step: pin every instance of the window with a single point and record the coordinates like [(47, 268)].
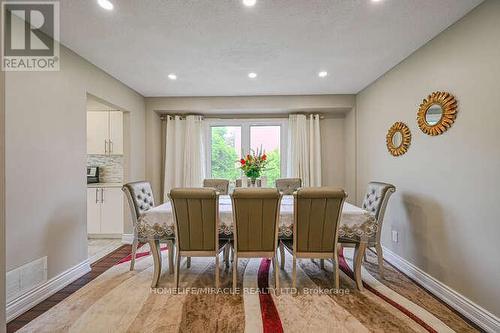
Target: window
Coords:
[(229, 140)]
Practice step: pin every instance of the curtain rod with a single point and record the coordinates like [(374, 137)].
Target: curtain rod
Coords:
[(164, 116)]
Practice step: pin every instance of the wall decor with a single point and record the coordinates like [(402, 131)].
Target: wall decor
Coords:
[(398, 139), (437, 113)]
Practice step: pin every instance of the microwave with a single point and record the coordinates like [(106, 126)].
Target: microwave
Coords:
[(92, 174)]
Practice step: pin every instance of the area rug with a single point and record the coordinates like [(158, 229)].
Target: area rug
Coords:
[(120, 300)]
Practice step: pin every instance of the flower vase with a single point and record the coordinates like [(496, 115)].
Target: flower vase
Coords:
[(253, 182)]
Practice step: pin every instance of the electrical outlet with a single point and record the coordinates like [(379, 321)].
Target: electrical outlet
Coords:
[(394, 236)]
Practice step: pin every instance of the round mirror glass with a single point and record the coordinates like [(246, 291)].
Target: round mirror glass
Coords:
[(397, 139), (433, 114)]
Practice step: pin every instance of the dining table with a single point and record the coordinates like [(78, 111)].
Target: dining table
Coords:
[(356, 224)]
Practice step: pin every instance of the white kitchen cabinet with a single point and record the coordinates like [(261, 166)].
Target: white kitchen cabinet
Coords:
[(112, 211), (116, 132), (97, 132), (105, 132), (93, 211), (104, 211)]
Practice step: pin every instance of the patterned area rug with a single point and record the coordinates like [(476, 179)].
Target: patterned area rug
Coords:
[(122, 301)]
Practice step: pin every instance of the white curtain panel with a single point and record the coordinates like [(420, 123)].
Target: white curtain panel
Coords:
[(304, 149), (184, 153)]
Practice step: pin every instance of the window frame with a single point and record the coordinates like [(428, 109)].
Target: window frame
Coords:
[(245, 125)]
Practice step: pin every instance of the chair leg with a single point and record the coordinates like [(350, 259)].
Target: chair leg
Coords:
[(322, 263), (135, 243), (155, 252), (177, 268), (294, 271), (276, 274), (235, 271), (217, 271), (171, 250), (336, 274), (380, 257), (359, 251), (188, 262), (282, 255)]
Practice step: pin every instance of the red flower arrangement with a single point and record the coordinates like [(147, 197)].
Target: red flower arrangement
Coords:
[(253, 164)]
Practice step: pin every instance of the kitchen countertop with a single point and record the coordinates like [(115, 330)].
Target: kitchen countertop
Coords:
[(94, 185)]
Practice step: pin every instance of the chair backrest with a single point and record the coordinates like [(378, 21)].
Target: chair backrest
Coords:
[(140, 198), (196, 218), (376, 198), (220, 185), (317, 216), (256, 214), (288, 185)]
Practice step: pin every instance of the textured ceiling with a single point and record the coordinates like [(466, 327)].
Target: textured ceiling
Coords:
[(213, 44)]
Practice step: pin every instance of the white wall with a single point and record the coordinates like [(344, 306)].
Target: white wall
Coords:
[(332, 105), (46, 158), (446, 208)]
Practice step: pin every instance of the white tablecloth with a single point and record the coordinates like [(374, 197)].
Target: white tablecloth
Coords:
[(158, 222)]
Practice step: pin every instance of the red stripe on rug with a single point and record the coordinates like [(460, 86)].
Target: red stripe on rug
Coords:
[(270, 317), (347, 270), (138, 255)]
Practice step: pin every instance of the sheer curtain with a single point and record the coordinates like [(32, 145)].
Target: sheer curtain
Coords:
[(184, 153), (304, 149)]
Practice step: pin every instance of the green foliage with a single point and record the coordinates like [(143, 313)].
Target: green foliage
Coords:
[(224, 155), (273, 168)]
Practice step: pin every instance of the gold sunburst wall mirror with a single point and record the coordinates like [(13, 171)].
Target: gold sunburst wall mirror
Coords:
[(398, 139), (437, 113)]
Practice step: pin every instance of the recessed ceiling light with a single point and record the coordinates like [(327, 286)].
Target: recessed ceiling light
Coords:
[(252, 75), (106, 4), (249, 3), (172, 76), (322, 74), (376, 0)]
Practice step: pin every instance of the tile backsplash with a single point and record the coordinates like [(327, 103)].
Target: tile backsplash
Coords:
[(110, 167)]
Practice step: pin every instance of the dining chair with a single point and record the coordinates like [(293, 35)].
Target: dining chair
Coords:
[(255, 213), (140, 199), (375, 203), (196, 218), (287, 186), (317, 212), (221, 185)]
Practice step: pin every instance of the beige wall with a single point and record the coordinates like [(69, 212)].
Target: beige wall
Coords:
[(446, 209), (333, 151), (335, 106), (46, 158)]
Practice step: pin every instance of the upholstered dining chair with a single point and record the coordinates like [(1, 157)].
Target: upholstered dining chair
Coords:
[(196, 217), (317, 212), (287, 186), (375, 203), (255, 213), (220, 185), (140, 199)]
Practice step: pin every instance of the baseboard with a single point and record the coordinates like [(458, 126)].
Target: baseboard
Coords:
[(482, 317), (127, 238), (28, 300)]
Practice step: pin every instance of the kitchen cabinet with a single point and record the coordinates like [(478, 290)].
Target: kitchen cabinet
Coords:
[(116, 132), (104, 211), (105, 132)]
